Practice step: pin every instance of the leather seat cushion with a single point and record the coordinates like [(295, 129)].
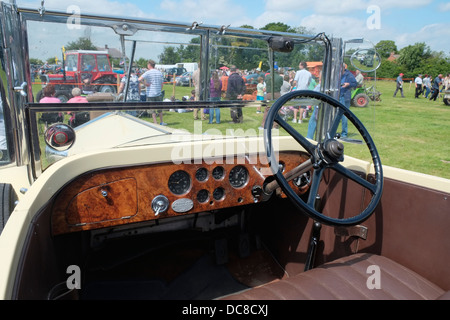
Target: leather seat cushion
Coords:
[(347, 278)]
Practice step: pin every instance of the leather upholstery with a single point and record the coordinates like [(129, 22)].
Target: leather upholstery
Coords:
[(347, 278)]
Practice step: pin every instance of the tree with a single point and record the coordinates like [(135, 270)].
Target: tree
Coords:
[(52, 60), (141, 63), (389, 69), (36, 61), (413, 56), (385, 48), (278, 26), (81, 44), (169, 56), (436, 64)]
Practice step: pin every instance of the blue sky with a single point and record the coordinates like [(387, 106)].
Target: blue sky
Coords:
[(403, 21)]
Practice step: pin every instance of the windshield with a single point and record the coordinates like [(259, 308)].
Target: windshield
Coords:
[(113, 86)]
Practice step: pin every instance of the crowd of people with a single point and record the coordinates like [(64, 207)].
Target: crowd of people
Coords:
[(226, 84), (425, 86)]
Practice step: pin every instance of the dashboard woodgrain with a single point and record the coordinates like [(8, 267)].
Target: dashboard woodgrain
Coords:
[(116, 196)]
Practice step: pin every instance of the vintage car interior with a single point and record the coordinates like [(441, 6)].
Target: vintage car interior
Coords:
[(123, 208)]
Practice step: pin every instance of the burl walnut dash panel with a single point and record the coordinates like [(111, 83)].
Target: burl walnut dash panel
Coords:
[(112, 197)]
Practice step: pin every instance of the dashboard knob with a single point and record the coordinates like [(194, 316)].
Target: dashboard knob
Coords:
[(160, 204)]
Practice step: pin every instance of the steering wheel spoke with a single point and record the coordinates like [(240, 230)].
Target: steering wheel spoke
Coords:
[(309, 147), (353, 176)]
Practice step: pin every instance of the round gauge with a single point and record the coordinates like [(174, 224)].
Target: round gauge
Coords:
[(238, 176), (179, 182), (201, 174), (203, 196), (219, 194), (218, 173)]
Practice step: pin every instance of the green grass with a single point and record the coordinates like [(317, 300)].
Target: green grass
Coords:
[(409, 133)]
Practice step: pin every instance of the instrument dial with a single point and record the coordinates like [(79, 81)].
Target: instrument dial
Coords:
[(238, 176), (179, 182), (201, 174), (218, 173), (219, 193), (203, 196)]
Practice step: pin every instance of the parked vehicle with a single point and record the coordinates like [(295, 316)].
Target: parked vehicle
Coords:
[(252, 78), (361, 96), (171, 72), (189, 66), (86, 69), (184, 80), (121, 207), (446, 97)]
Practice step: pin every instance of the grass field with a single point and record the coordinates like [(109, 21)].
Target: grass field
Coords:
[(409, 133)]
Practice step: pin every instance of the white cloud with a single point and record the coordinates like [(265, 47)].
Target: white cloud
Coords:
[(216, 12), (444, 6), (289, 18), (335, 25), (386, 4), (333, 7), (432, 35)]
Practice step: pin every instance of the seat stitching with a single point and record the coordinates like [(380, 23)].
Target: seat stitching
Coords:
[(364, 275), (406, 284), (332, 270), (320, 283), (273, 291), (299, 289)]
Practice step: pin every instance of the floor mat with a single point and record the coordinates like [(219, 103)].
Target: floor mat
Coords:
[(204, 280)]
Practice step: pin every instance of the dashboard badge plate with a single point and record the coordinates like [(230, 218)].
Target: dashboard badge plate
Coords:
[(182, 205)]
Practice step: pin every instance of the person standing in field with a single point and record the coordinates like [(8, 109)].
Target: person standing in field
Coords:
[(399, 83), (154, 81), (435, 87)]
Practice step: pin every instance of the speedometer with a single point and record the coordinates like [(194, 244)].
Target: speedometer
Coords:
[(179, 182), (238, 176)]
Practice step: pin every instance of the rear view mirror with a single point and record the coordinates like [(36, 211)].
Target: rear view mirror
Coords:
[(366, 60), (60, 136)]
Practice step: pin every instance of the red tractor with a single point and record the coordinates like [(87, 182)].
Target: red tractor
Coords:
[(86, 69)]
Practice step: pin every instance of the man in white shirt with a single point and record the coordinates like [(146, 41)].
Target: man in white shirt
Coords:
[(302, 77), (154, 81), (359, 79), (302, 80), (418, 81)]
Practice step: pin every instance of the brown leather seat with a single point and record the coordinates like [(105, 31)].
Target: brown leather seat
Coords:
[(347, 278)]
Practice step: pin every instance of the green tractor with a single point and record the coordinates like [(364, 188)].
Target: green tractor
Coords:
[(362, 95)]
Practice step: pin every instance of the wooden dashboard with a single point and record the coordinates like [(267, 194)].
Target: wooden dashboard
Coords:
[(116, 196)]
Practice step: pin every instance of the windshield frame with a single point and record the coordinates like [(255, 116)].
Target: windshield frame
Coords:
[(128, 26)]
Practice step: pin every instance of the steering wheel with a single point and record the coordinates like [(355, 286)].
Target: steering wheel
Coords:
[(326, 154)]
